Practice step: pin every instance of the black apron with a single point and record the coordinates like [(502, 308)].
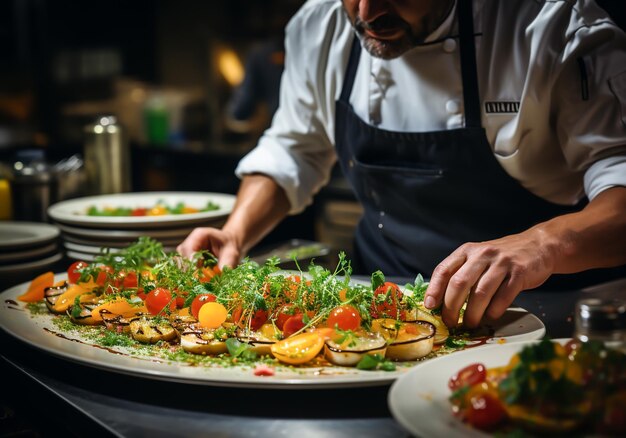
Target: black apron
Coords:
[(426, 193)]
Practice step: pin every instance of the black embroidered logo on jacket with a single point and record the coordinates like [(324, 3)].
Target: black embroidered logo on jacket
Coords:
[(501, 107)]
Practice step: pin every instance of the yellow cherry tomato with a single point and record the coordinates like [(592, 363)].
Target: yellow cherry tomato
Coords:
[(159, 210), (212, 315), (298, 349)]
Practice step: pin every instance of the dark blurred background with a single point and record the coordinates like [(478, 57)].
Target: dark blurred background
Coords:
[(193, 83)]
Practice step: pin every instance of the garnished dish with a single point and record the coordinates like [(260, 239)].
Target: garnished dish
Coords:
[(143, 309), (546, 388), (160, 208)]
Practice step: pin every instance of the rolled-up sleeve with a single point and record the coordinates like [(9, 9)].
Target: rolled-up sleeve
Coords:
[(296, 150)]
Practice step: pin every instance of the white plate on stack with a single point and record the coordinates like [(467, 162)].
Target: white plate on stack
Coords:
[(95, 232), (27, 249)]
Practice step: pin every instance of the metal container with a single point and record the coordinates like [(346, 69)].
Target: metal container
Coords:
[(107, 157), (33, 187)]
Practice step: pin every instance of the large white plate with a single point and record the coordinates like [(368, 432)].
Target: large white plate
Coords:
[(39, 331), (17, 235), (419, 399), (74, 211)]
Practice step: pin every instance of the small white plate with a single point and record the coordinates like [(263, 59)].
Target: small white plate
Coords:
[(26, 254), (33, 266), (125, 235), (18, 235), (74, 211), (91, 257), (418, 400), (96, 243)]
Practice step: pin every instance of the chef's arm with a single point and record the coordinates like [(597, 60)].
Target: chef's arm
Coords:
[(491, 274), (261, 204)]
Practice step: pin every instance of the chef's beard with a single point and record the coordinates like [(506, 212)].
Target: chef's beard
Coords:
[(385, 49)]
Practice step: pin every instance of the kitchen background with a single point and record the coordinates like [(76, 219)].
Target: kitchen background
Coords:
[(193, 83)]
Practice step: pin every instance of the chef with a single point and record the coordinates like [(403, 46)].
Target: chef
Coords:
[(485, 139)]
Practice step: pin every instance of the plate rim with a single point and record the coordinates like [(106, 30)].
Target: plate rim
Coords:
[(61, 211), (48, 233)]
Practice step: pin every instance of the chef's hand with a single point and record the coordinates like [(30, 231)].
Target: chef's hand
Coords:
[(220, 243), (491, 273)]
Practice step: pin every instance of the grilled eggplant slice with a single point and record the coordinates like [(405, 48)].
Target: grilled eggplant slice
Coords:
[(353, 347), (199, 340), (150, 331), (52, 294), (407, 340)]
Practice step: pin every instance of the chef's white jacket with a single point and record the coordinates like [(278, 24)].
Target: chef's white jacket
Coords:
[(552, 84)]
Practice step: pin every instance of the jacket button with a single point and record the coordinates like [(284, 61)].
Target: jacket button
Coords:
[(449, 45), (453, 106)]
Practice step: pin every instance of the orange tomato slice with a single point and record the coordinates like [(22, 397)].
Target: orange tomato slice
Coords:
[(119, 307), (298, 349), (36, 288)]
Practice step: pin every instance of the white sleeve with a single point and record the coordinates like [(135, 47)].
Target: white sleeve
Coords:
[(296, 150), (590, 100)]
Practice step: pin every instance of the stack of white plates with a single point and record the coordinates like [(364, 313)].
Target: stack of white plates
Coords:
[(27, 249), (84, 235)]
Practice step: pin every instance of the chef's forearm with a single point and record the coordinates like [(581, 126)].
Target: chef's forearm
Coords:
[(592, 238), (261, 205)]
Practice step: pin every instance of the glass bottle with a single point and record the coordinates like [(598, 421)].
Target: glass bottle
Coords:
[(601, 320)]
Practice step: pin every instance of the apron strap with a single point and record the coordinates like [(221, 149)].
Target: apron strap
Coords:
[(468, 64), (353, 63)]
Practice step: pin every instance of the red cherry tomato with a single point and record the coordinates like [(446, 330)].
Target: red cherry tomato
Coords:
[(284, 314), (469, 376), (385, 302), (138, 212), (199, 302), (258, 319), (345, 317), (485, 411), (104, 275), (128, 280), (293, 324), (141, 294), (72, 275), (158, 299)]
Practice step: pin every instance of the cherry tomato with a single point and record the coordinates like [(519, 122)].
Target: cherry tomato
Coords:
[(212, 315), (258, 319), (468, 376), (385, 302), (293, 324), (199, 301), (104, 275), (284, 314), (346, 317), (138, 212), (485, 411), (72, 275), (158, 299), (128, 280)]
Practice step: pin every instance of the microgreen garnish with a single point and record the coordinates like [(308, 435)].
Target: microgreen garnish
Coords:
[(375, 362)]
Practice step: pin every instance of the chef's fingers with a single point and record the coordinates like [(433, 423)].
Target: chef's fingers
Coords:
[(229, 256), (459, 287), (197, 240), (504, 296), (440, 279), (482, 294)]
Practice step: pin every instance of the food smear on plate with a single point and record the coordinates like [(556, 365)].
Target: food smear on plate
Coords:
[(547, 388), (160, 208), (191, 311)]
